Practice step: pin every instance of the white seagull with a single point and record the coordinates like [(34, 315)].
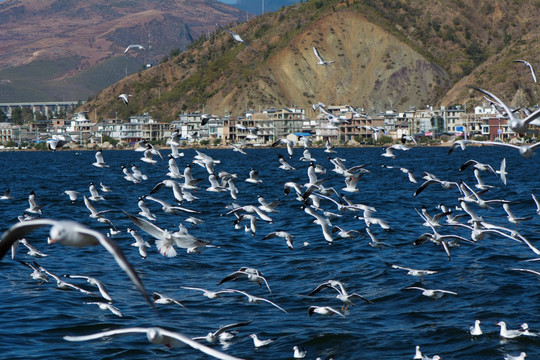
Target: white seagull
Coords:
[(133, 47), (530, 68), (125, 98), (158, 336), (320, 59), (432, 293), (99, 160), (238, 38), (475, 329)]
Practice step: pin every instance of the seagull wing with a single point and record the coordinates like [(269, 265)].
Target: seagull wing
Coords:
[(120, 258), (146, 226), (18, 231), (317, 54)]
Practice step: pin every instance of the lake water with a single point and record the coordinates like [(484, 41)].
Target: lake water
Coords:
[(35, 318)]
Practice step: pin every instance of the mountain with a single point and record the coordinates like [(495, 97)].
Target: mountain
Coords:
[(70, 49)]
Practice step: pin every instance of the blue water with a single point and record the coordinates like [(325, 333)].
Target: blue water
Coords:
[(34, 318)]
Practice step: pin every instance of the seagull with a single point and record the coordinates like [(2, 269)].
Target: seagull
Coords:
[(221, 333), (99, 160), (144, 209), (502, 171), (432, 293), (73, 195), (521, 356), (342, 295), (74, 234), (444, 184), (238, 38), (107, 306), (329, 148), (525, 150), (32, 250), (63, 285), (374, 242), (209, 294), (237, 148), (94, 214), (94, 193), (133, 47), (158, 336), (125, 98), (147, 156), (475, 329), (299, 353), (37, 274), (536, 202), (266, 206), (251, 274), (253, 177), (105, 188), (290, 145), (33, 208), (320, 60), (164, 239), (418, 354), (169, 209), (139, 242), (519, 126), (7, 195), (256, 300), (323, 310), (282, 234), (413, 272), (174, 185), (508, 334), (284, 164), (260, 342), (162, 299), (530, 68), (526, 330), (137, 174), (512, 218), (94, 282), (323, 222)]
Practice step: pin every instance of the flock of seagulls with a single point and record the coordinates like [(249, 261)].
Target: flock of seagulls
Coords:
[(319, 201), (331, 220)]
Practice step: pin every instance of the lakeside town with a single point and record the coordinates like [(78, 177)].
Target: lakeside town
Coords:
[(339, 124)]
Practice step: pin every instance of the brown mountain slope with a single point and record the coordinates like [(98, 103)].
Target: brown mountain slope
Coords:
[(95, 31), (388, 54)]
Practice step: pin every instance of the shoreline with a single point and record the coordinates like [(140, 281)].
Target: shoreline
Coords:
[(219, 147)]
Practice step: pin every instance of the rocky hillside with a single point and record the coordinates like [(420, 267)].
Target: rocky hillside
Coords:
[(70, 49), (389, 54)]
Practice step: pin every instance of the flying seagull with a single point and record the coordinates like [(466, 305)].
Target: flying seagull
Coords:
[(530, 67), (133, 47), (320, 58), (237, 38), (157, 335), (125, 97)]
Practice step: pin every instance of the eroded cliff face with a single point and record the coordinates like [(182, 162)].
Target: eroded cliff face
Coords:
[(372, 69)]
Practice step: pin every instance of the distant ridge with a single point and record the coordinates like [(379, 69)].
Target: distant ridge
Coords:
[(389, 54), (56, 49)]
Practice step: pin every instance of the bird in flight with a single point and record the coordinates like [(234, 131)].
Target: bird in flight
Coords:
[(125, 98), (238, 38), (320, 58), (530, 67), (133, 47)]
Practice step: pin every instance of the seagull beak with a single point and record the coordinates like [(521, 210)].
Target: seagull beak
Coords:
[(50, 241)]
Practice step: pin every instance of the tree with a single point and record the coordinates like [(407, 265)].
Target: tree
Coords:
[(3, 116), (20, 116)]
